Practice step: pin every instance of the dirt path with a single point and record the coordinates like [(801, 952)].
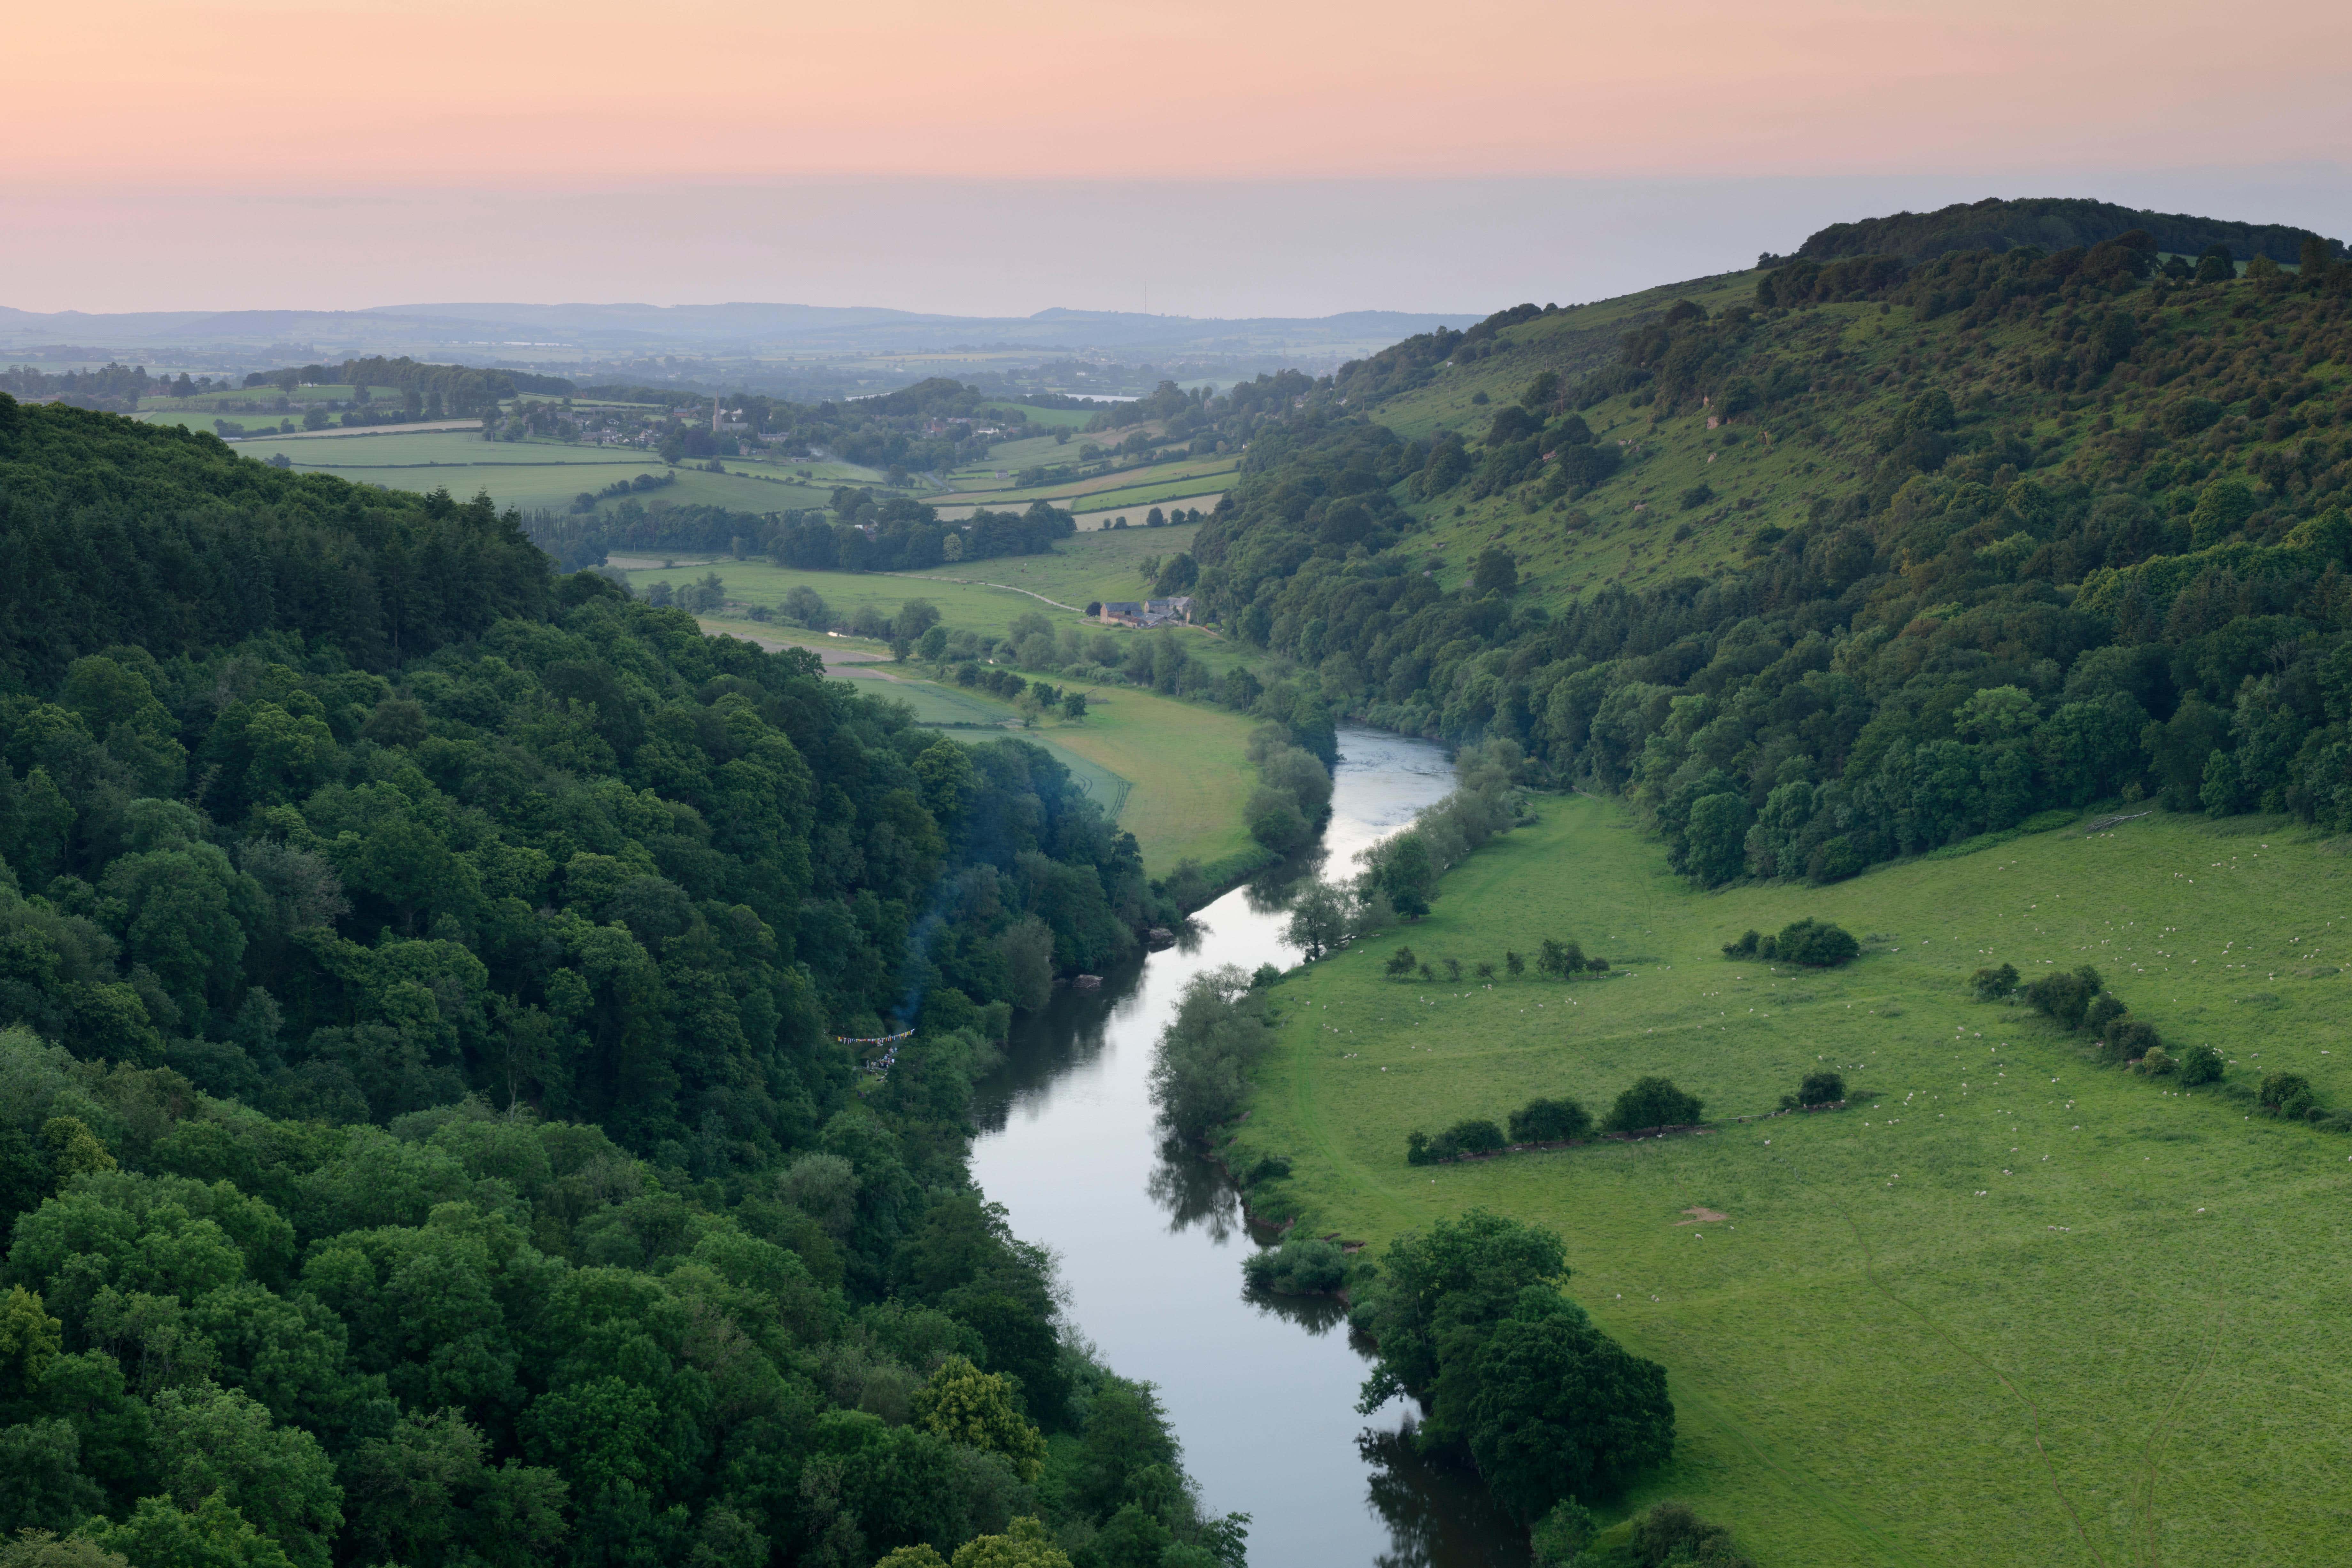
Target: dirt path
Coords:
[(983, 583)]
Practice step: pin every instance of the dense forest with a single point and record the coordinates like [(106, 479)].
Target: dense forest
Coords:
[(2053, 224), (2070, 528), (441, 1110)]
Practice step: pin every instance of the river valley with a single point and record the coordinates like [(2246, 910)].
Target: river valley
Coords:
[(1262, 1390)]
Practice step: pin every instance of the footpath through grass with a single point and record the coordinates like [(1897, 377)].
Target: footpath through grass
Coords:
[(2010, 1307)]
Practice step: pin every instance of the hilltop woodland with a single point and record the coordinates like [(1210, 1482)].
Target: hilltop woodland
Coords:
[(2069, 526), (436, 1123)]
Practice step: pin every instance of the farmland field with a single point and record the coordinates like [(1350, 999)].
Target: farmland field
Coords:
[(1187, 471), (548, 474), (1104, 564), (1174, 774), (2008, 1305), (1088, 521)]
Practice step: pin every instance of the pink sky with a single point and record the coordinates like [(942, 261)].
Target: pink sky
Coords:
[(121, 109)]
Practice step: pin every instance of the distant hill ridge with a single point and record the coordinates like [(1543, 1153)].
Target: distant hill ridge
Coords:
[(2053, 223)]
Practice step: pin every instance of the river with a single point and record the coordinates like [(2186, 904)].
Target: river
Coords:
[(1262, 1391)]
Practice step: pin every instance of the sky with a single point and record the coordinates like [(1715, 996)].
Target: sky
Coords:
[(1231, 157)]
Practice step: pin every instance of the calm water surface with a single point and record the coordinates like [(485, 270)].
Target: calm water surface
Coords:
[(1262, 1392)]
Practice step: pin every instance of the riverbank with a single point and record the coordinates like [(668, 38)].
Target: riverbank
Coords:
[(1985, 1302), (1263, 1390)]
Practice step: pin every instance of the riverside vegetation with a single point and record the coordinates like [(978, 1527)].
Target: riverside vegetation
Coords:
[(1922, 558), (431, 1115)]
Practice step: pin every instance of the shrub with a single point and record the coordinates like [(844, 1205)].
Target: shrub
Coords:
[(2286, 1094), (2157, 1062), (1561, 958), (1549, 1121), (1652, 1102), (1744, 948), (2201, 1064), (2105, 1009), (1401, 963), (2126, 1040), (1670, 1533), (1474, 1136), (1560, 1535), (2065, 995), (1305, 1266), (1515, 963), (1824, 1088), (1992, 985), (1816, 944)]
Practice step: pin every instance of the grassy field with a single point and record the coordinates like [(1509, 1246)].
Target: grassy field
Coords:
[(1188, 472), (1187, 765), (2010, 1307), (1103, 565), (953, 709), (1050, 418), (549, 474), (1174, 774), (1088, 521)]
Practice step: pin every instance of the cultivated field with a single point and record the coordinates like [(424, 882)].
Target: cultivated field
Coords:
[(546, 474), (2010, 1307), (1174, 774), (1187, 473), (1104, 564)]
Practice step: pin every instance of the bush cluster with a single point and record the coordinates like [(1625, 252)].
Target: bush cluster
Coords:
[(1650, 1102), (1826, 1087), (1301, 1266), (1559, 959), (1470, 1318), (2078, 1001), (1816, 944)]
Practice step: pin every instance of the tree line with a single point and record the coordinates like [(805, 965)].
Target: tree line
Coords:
[(429, 1136), (1984, 624)]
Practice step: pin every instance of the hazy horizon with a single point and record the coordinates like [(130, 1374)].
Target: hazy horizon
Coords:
[(1296, 247)]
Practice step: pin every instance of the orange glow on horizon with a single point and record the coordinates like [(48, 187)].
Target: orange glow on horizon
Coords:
[(339, 94)]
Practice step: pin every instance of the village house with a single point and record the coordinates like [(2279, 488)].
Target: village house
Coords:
[(1149, 613)]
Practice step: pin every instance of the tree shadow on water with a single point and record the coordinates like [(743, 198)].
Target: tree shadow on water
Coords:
[(1191, 1191), (1439, 1513), (1316, 1314)]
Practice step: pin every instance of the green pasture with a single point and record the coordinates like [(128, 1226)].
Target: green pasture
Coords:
[(1013, 457), (550, 474), (1140, 499), (1173, 774), (1189, 472), (1052, 418), (1187, 763), (974, 595), (1088, 521), (2009, 1307)]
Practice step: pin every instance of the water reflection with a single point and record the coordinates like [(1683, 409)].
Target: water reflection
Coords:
[(1437, 1513), (1195, 1191), (1262, 1388), (1318, 1315)]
